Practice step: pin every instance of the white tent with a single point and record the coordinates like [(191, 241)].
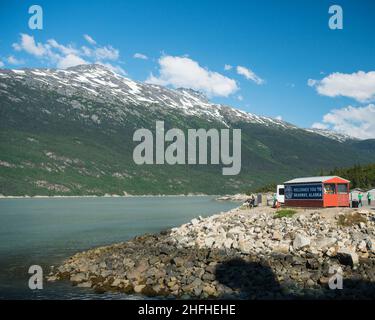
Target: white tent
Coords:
[(354, 194)]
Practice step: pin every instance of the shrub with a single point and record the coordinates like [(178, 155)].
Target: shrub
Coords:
[(284, 213)]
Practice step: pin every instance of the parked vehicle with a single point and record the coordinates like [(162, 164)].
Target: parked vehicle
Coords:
[(280, 194)]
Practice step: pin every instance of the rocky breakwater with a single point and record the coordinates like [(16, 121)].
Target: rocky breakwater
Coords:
[(256, 254)]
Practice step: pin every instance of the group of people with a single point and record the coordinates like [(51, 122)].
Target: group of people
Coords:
[(250, 201), (360, 196)]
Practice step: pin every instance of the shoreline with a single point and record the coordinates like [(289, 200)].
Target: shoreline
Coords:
[(108, 196), (245, 254)]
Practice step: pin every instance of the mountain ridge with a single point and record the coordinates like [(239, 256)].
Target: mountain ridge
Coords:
[(190, 95), (69, 132)]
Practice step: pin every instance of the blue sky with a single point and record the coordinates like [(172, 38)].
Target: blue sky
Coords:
[(296, 66)]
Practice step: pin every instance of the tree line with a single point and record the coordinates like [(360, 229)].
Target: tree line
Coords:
[(360, 176)]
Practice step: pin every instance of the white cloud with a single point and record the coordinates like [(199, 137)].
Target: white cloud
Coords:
[(101, 53), (249, 74), (140, 56), (106, 53), (240, 98), (228, 67), (359, 85), (358, 122), (89, 39), (29, 45), (185, 72), (1, 64), (70, 60), (65, 50), (321, 126), (13, 60), (64, 56)]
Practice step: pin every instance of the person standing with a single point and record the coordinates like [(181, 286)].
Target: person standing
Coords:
[(360, 195), (274, 198), (369, 198)]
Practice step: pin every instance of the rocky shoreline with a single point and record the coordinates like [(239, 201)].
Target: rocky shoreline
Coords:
[(243, 253), (239, 197)]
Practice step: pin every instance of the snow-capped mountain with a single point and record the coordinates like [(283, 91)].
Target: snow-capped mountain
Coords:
[(96, 82), (332, 134), (70, 132)]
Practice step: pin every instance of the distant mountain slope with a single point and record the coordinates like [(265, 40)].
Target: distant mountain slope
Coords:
[(332, 135), (70, 132)]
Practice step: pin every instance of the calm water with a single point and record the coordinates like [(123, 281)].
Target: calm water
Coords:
[(47, 231)]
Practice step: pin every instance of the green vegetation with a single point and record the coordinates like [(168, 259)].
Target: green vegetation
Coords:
[(360, 176), (284, 213), (350, 219), (271, 187), (49, 146)]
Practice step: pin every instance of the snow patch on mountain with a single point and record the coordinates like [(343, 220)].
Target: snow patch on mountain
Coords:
[(96, 83)]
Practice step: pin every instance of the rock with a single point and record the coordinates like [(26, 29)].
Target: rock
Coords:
[(277, 236), (310, 283), (197, 291), (195, 259), (179, 262), (194, 221), (312, 264), (153, 260), (87, 284), (228, 243), (323, 243), (129, 263), (211, 268), (51, 278), (209, 242), (362, 246), (117, 282), (234, 232), (370, 243), (331, 252), (208, 277), (210, 290), (283, 247), (78, 277), (298, 261), (324, 280), (139, 288), (196, 283), (159, 289), (244, 247), (347, 257), (300, 242), (364, 255), (363, 211)]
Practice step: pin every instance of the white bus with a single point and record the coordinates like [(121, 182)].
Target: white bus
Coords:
[(280, 194)]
